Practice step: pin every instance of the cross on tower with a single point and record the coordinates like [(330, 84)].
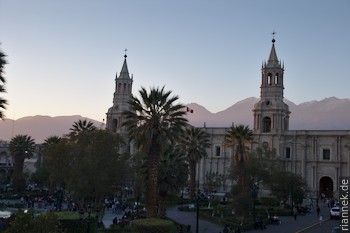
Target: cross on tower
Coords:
[(273, 36), (125, 50)]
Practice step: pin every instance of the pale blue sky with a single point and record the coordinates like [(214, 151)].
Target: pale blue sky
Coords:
[(64, 54)]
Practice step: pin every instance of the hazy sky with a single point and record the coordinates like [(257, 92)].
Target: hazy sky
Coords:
[(63, 55)]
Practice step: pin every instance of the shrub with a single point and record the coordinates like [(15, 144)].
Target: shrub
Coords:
[(153, 225), (24, 222), (268, 201)]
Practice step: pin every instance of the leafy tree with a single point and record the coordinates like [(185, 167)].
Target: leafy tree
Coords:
[(240, 136), (258, 169), (57, 161), (3, 102), (21, 147), (24, 222), (214, 180), (265, 170), (94, 166), (194, 141), (287, 184), (41, 176), (153, 120)]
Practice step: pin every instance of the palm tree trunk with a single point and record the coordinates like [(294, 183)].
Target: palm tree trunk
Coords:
[(241, 181), (152, 187), (192, 183), (18, 173)]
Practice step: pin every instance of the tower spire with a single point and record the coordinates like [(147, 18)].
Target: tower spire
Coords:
[(124, 73), (273, 60)]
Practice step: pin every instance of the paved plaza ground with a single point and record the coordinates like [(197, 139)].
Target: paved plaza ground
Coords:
[(303, 224)]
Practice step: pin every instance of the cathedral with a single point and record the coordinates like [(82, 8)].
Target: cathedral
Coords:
[(321, 157)]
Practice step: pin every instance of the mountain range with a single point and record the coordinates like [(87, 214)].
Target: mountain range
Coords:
[(327, 114)]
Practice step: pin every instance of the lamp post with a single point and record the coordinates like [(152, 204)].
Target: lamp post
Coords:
[(291, 194), (197, 216), (255, 189)]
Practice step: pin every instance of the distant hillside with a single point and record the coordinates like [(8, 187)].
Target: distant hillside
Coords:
[(328, 114), (40, 127)]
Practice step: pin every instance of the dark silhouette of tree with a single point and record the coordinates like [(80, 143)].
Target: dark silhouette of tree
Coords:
[(41, 175), (3, 102), (153, 120), (194, 141), (240, 136), (81, 126), (21, 147)]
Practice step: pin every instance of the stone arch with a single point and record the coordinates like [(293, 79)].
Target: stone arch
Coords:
[(326, 187)]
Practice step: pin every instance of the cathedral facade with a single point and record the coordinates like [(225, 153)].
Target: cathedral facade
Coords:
[(321, 157)]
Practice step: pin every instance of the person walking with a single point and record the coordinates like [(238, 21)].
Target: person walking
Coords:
[(295, 213), (318, 210), (226, 229)]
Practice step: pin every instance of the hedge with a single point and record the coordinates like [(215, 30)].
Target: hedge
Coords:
[(154, 225)]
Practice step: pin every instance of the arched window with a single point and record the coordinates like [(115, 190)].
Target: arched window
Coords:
[(115, 125), (124, 89), (269, 79), (276, 78), (119, 87), (266, 125)]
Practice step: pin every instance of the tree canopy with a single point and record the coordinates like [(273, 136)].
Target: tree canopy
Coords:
[(153, 120), (3, 102), (21, 147)]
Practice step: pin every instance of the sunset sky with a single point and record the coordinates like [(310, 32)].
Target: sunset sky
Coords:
[(63, 55)]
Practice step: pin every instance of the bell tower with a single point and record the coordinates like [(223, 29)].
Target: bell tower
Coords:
[(271, 114), (121, 97)]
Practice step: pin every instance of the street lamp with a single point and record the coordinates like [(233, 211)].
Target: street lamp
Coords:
[(255, 189), (291, 195), (182, 199), (197, 216)]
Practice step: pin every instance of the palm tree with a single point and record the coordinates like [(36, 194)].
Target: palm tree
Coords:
[(82, 126), (240, 135), (172, 176), (45, 150), (194, 142), (3, 102), (153, 120), (21, 147), (52, 140), (49, 141)]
